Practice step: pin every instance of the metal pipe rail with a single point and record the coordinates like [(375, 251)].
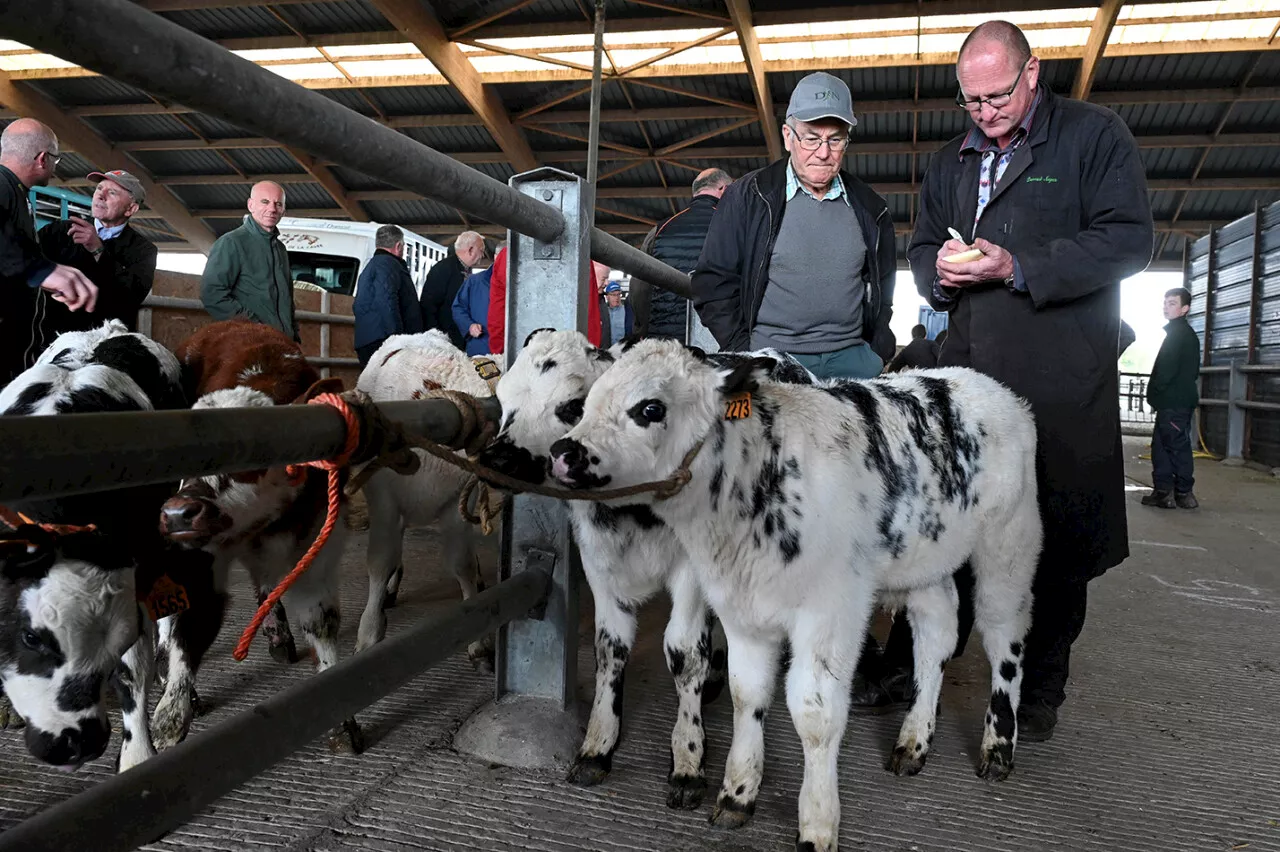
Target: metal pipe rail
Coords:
[(162, 58), (178, 303), (141, 805), (96, 452)]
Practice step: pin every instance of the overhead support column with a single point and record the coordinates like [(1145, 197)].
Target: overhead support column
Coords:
[(419, 24), (740, 12), (75, 134)]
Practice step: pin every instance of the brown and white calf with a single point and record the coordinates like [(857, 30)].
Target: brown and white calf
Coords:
[(263, 521)]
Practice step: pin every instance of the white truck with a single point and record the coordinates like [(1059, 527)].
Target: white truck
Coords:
[(328, 254)]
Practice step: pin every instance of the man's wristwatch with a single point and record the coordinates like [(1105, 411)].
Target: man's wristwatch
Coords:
[(97, 253)]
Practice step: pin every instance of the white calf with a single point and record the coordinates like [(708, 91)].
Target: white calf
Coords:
[(628, 557), (405, 367), (804, 502)]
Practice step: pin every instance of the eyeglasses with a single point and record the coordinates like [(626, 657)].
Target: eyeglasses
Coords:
[(55, 157), (813, 143), (995, 101)]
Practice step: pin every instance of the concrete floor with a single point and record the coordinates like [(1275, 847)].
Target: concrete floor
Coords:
[(1169, 740)]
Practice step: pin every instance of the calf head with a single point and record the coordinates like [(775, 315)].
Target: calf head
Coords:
[(647, 412), (542, 397), (68, 613), (213, 511)]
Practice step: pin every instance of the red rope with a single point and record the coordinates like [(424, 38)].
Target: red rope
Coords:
[(297, 473)]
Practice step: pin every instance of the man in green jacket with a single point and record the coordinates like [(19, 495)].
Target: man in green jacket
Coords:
[(1174, 394), (247, 274)]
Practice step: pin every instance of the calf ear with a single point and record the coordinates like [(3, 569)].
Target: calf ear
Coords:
[(533, 333), (746, 377), (624, 345), (333, 385)]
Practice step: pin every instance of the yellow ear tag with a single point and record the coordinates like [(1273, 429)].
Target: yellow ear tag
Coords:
[(166, 598), (737, 407)]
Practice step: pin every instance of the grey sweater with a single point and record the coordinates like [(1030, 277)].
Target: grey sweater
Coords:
[(813, 301)]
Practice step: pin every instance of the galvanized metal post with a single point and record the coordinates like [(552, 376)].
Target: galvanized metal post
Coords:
[(593, 131), (1236, 394), (533, 721), (325, 308)]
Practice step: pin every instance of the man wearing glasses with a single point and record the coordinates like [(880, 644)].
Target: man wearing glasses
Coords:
[(28, 156), (1051, 193), (800, 254)]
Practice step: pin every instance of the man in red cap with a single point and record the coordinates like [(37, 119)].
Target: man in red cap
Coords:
[(111, 254)]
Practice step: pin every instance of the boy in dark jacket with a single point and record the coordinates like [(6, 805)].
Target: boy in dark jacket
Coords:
[(1174, 394)]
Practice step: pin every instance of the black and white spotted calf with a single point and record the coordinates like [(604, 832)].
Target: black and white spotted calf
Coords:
[(628, 555), (73, 607), (808, 502)]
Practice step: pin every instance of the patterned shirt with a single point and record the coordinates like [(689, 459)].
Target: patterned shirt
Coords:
[(794, 185)]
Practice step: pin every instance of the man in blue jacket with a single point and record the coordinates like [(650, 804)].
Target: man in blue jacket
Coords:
[(386, 303), (471, 311)]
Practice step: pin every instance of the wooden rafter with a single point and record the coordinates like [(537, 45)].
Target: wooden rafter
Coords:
[(740, 12), (324, 176), (421, 26), (490, 18), (75, 134), (1099, 34)]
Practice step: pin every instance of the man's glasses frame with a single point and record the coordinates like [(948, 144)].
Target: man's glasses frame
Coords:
[(995, 101), (813, 143)]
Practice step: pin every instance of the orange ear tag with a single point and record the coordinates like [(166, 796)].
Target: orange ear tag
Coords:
[(737, 407), (166, 598)]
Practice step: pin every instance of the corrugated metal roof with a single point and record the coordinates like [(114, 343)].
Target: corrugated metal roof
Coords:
[(1224, 204), (1169, 118), (1241, 162), (1205, 70), (231, 22), (412, 100), (353, 16), (83, 91), (138, 127), (264, 161), (213, 128), (1258, 116), (453, 139), (201, 162), (410, 212), (1169, 162)]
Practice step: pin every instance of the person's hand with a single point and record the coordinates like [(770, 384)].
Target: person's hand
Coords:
[(996, 264), (476, 329), (84, 233), (71, 287)]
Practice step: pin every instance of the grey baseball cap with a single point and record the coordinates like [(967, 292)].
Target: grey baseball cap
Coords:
[(131, 184), (821, 95)]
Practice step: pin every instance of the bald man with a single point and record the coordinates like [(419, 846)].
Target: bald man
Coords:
[(676, 242), (248, 273), (28, 155)]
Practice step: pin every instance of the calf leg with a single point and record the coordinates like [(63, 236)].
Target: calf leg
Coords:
[(824, 654), (131, 680), (458, 553), (615, 635), (189, 635), (1003, 567), (688, 647), (386, 545), (275, 629), (932, 614), (753, 668)]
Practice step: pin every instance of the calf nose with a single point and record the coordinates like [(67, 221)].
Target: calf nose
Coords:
[(568, 459), (71, 748), (182, 514), (506, 457)]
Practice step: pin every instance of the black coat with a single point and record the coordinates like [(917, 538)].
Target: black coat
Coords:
[(676, 242), (733, 271), (921, 354), (21, 263), (385, 302), (439, 289), (1072, 208), (124, 274)]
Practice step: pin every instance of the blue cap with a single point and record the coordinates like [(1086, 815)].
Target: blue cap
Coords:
[(613, 287)]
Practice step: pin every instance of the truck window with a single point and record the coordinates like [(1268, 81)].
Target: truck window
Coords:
[(334, 273)]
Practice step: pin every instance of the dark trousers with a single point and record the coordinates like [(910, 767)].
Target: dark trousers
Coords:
[(1171, 460), (1057, 617), (364, 353)]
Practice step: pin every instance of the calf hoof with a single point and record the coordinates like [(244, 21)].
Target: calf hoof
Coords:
[(132, 755), (482, 657), (731, 813), (590, 769), (906, 761), (815, 846), (685, 792), (997, 763), (347, 738), (171, 722), (284, 652)]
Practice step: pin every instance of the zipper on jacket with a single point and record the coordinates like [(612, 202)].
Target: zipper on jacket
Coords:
[(873, 286), (768, 251)]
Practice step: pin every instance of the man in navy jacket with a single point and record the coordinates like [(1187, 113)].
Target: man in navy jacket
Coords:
[(386, 303)]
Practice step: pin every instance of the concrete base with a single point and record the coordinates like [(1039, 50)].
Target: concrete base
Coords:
[(522, 733)]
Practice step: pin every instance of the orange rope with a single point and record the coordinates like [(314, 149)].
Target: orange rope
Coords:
[(297, 473), (16, 519)]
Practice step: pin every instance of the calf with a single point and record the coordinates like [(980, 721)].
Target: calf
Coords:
[(76, 608), (628, 556), (806, 501), (263, 520), (405, 367)]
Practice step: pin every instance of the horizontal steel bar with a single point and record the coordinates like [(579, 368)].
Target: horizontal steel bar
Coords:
[(141, 805), (1215, 402), (1259, 368), (1255, 405), (98, 452), (178, 303), (1215, 369), (181, 67), (333, 362)]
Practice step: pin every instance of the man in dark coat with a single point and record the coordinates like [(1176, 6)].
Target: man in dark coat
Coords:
[(920, 354), (1052, 192), (108, 250), (385, 302), (443, 282), (677, 242), (1173, 394)]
